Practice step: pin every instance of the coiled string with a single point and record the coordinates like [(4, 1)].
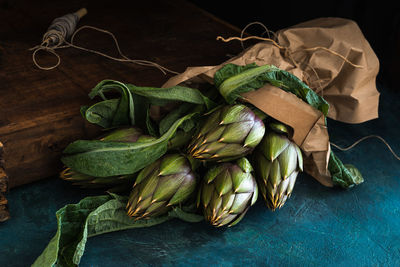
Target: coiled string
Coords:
[(63, 28)]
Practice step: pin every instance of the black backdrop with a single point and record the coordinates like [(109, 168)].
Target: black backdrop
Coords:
[(379, 21)]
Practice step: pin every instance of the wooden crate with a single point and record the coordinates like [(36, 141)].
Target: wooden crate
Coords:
[(39, 110)]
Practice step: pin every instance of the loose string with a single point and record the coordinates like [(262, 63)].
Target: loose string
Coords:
[(63, 27), (260, 24), (289, 53), (220, 38), (364, 138)]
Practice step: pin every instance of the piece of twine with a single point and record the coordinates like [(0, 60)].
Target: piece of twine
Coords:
[(364, 138), (64, 27), (288, 52)]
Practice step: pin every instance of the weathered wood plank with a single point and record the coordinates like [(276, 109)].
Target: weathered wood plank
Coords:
[(4, 214), (39, 110)]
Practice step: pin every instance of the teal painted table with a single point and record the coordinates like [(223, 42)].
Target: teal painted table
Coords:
[(318, 226)]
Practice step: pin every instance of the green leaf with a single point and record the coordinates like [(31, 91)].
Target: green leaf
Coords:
[(142, 110), (180, 140), (175, 93), (70, 233), (133, 106), (124, 113), (345, 176), (178, 112), (232, 80), (186, 216), (151, 126), (102, 159), (120, 198), (173, 115), (112, 217), (83, 110), (90, 217), (101, 113), (230, 70)]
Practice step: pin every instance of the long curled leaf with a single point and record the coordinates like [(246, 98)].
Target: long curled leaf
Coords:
[(90, 217), (232, 80), (131, 108), (102, 158)]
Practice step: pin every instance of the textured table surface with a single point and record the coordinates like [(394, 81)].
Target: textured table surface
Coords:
[(317, 226)]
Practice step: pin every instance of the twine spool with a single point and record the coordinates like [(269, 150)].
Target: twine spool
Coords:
[(63, 28)]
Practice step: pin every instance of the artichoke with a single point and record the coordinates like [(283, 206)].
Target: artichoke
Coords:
[(227, 192), (166, 182), (229, 132), (115, 183), (130, 135), (112, 183), (277, 161)]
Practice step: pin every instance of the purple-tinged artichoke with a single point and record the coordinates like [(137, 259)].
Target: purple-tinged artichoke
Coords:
[(166, 182), (227, 192), (229, 132)]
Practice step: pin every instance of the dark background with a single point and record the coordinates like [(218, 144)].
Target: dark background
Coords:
[(379, 21)]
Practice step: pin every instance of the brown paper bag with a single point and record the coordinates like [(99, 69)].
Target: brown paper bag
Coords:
[(332, 56), (351, 91)]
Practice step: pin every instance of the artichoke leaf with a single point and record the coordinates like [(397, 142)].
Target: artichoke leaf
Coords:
[(101, 159)]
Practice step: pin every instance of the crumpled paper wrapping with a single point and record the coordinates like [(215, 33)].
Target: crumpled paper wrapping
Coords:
[(333, 57)]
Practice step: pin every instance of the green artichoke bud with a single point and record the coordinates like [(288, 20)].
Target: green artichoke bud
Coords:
[(129, 135), (166, 182), (114, 183), (227, 192), (228, 133), (277, 161)]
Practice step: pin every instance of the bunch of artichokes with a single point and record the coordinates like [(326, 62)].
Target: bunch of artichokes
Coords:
[(225, 184)]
